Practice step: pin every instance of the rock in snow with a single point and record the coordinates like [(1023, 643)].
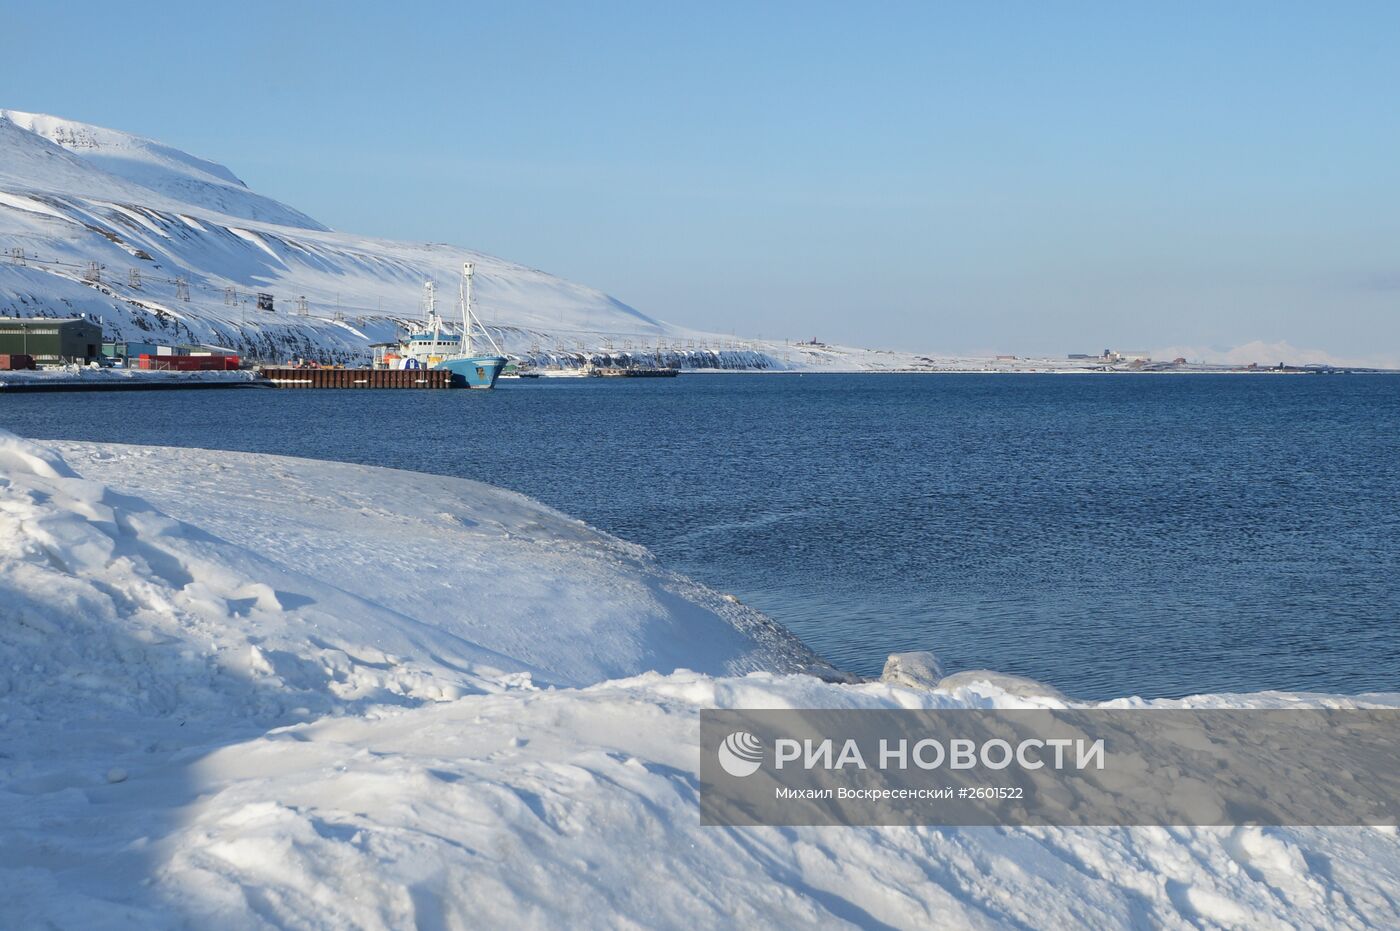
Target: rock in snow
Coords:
[(917, 670), (342, 696)]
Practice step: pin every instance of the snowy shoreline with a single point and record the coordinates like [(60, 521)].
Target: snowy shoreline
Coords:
[(242, 689), (76, 377)]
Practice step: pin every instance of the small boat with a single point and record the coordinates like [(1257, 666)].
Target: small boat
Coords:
[(432, 348), (637, 372), (516, 370)]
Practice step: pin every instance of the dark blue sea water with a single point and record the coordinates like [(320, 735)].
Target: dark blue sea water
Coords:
[(1112, 535)]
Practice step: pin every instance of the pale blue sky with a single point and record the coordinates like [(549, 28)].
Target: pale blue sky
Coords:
[(1035, 177)]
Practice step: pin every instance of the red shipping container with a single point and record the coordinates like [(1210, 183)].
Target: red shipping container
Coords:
[(16, 362), (189, 363)]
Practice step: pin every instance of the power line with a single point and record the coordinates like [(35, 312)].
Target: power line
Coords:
[(136, 279)]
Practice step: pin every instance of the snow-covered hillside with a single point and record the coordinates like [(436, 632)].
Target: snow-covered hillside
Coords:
[(73, 194), (249, 691), (181, 249), (153, 166)]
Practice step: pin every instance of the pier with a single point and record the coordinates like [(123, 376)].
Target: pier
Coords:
[(358, 378)]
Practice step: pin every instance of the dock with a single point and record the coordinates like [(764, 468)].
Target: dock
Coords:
[(358, 378)]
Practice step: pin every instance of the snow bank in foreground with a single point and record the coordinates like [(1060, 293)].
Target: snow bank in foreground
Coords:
[(242, 690)]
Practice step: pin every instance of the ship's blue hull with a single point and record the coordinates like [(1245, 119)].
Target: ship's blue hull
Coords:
[(474, 372)]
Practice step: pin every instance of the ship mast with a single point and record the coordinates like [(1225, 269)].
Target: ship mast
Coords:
[(465, 295), (469, 317), (430, 302)]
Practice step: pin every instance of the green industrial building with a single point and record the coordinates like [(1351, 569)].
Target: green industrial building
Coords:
[(50, 341)]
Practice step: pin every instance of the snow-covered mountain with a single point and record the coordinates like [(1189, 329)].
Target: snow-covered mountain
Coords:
[(162, 245), (153, 166)]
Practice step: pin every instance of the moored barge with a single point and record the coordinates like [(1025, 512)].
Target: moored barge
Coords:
[(357, 378)]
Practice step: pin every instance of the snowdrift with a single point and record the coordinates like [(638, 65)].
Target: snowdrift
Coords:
[(244, 690)]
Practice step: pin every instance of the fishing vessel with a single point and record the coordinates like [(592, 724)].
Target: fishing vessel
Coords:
[(434, 348)]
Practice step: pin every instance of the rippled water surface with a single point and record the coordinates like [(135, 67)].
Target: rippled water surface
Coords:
[(1112, 535)]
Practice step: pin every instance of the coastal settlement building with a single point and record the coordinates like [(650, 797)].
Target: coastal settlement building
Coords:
[(1113, 355), (49, 341)]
